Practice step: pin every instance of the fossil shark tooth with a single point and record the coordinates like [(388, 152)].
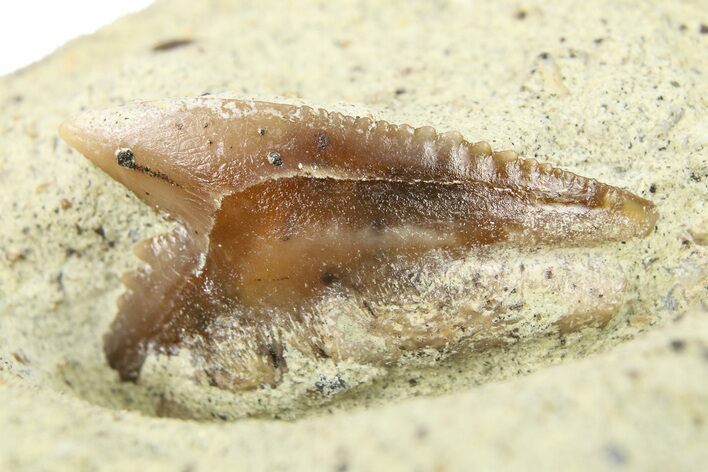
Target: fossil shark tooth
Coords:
[(285, 210)]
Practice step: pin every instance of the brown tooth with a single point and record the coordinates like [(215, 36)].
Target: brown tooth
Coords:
[(545, 168), (483, 167), (364, 123), (481, 148), (425, 133), (529, 165), (404, 132), (307, 112), (381, 126), (345, 120), (260, 247), (380, 131), (452, 138), (503, 157)]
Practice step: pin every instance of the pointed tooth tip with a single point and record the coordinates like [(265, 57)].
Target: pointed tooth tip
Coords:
[(68, 131), (643, 213), (75, 136), (87, 134), (76, 131), (482, 148)]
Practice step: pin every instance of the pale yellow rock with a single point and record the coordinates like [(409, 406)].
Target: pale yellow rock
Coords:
[(613, 90)]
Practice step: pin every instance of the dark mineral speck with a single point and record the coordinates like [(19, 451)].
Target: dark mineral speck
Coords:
[(275, 158), (328, 278), (276, 356), (678, 345), (616, 454), (421, 432), (342, 467), (322, 142), (171, 44), (378, 225), (100, 232), (329, 386), (125, 158)]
